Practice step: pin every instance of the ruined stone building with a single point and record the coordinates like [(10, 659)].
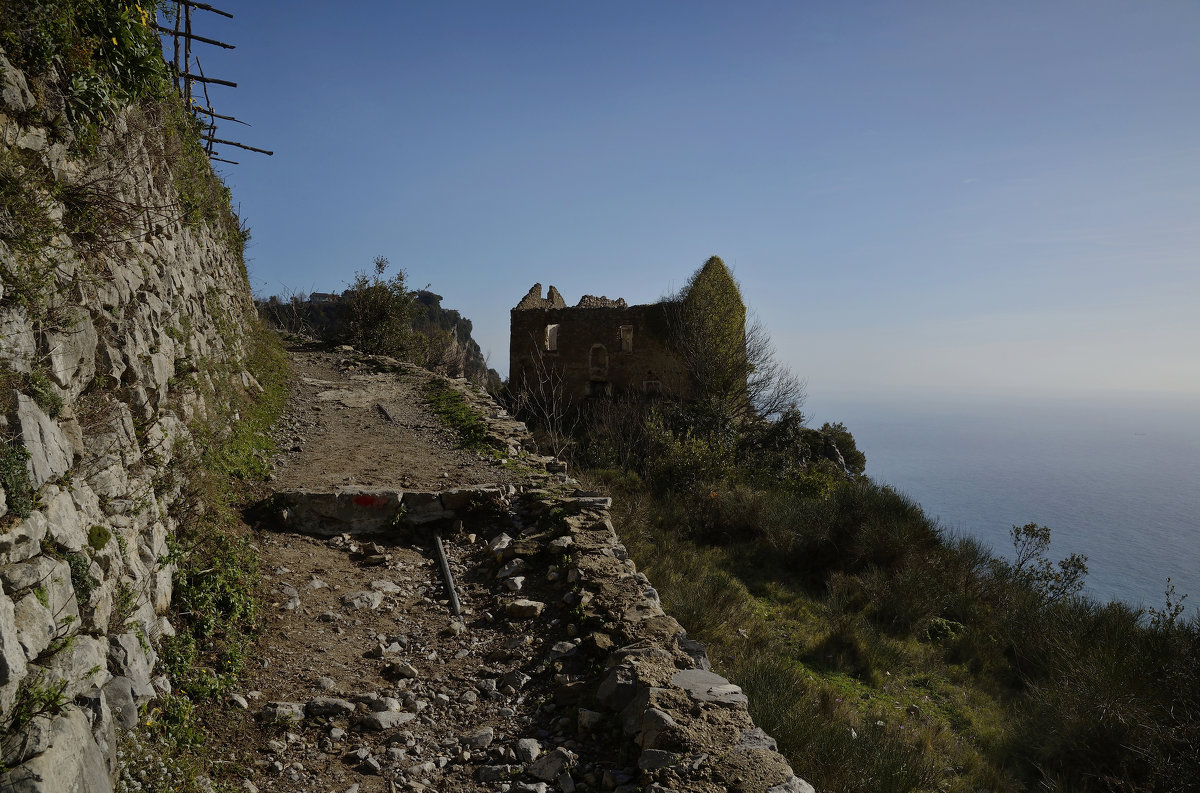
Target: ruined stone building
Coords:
[(598, 347)]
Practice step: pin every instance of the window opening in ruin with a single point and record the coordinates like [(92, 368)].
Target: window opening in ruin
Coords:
[(552, 338), (627, 338), (597, 388), (598, 362)]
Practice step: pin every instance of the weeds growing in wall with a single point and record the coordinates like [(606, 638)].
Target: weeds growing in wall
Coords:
[(14, 478), (451, 407), (106, 54), (215, 606)]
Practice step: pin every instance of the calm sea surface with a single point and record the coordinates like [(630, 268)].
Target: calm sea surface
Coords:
[(1116, 480)]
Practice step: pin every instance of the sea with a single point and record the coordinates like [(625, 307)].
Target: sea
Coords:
[(1116, 478)]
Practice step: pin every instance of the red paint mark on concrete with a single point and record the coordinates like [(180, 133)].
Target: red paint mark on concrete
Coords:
[(364, 500)]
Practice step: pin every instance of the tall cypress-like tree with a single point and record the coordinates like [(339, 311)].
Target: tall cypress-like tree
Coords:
[(735, 375)]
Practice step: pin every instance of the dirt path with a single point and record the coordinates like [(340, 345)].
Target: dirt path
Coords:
[(350, 424), (364, 681)]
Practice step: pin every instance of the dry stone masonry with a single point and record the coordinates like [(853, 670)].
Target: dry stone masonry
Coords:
[(562, 673), (126, 346)]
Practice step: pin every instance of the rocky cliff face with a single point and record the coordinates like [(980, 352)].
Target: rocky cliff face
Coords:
[(123, 309)]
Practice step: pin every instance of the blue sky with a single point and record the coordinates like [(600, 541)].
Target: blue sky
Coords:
[(967, 197)]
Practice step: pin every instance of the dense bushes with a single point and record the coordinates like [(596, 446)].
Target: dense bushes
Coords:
[(882, 652)]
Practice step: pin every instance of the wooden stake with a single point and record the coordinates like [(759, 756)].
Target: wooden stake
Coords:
[(205, 7), (202, 79), (194, 37), (178, 71), (187, 51), (243, 146), (218, 115)]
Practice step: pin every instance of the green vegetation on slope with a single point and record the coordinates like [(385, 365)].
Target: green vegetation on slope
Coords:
[(885, 655), (451, 407)]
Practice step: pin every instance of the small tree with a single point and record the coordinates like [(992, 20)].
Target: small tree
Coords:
[(379, 312), (1052, 581), (541, 399)]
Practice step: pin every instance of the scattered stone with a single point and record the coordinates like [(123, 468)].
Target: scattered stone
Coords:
[(704, 686), (290, 712), (588, 719), (656, 758), (548, 767), (385, 720), (561, 649), (524, 609), (401, 669), (528, 750), (480, 739), (363, 600), (516, 678), (328, 708), (512, 568), (496, 773)]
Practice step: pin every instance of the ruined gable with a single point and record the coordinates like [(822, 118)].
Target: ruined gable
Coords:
[(534, 299)]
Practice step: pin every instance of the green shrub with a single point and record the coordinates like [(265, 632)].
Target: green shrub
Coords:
[(379, 312), (14, 478), (98, 537), (81, 580), (37, 695)]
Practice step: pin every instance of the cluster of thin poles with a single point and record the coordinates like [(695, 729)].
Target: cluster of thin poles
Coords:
[(186, 79)]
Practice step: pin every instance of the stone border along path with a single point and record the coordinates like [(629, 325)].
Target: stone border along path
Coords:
[(563, 672)]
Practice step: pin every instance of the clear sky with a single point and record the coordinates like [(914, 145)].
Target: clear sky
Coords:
[(964, 196)]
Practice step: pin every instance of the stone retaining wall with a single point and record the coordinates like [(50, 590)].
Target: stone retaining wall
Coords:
[(125, 344)]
